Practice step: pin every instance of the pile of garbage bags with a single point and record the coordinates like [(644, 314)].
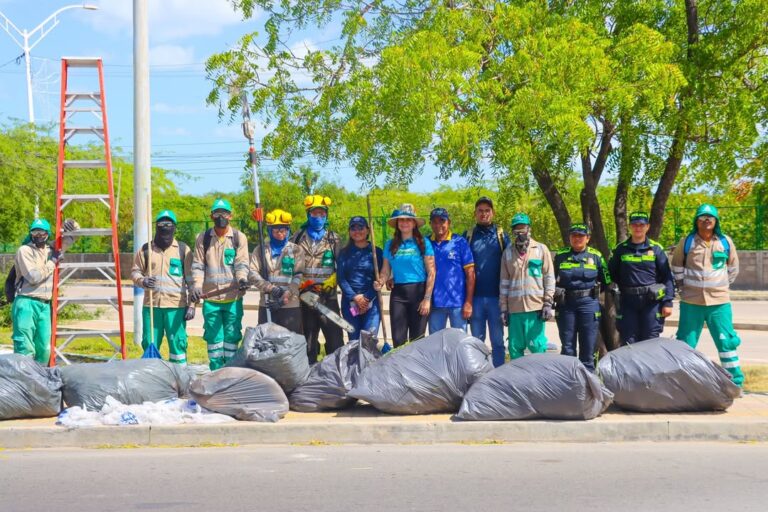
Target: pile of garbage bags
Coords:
[(332, 378), (133, 381), (666, 375), (539, 386), (275, 351), (242, 393), (28, 389), (427, 376)]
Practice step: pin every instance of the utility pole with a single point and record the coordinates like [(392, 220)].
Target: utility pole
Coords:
[(142, 180), (23, 37)]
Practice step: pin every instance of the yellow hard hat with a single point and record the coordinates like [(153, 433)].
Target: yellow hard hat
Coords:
[(316, 201), (279, 217)]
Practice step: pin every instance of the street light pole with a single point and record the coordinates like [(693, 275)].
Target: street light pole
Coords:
[(40, 32)]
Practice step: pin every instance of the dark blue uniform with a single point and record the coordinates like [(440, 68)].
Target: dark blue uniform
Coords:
[(635, 268), (577, 275)]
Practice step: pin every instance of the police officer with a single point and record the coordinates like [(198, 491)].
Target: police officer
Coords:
[(640, 269), (579, 271)]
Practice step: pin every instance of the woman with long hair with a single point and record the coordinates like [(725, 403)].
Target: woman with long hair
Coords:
[(410, 260)]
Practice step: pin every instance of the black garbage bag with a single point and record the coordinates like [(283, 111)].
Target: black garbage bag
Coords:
[(666, 375), (538, 386), (133, 381), (242, 393), (274, 350), (425, 376), (331, 379), (28, 389)]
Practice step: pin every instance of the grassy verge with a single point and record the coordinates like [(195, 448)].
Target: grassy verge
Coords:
[(196, 349), (756, 378)]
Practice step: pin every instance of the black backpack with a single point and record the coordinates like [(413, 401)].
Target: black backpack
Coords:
[(10, 285)]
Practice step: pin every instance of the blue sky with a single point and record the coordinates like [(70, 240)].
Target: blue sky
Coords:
[(185, 133)]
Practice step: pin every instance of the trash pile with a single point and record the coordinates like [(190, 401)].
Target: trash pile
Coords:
[(446, 372), (174, 411), (332, 378), (28, 389), (666, 375), (539, 386), (427, 376)]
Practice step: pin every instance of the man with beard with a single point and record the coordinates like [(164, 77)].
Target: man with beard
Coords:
[(35, 262), (169, 277), (527, 289), (220, 272)]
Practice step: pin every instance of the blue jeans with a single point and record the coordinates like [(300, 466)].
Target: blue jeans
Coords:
[(439, 317), (366, 322), (486, 310)]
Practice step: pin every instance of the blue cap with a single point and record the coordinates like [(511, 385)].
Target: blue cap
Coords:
[(358, 220), (439, 212)]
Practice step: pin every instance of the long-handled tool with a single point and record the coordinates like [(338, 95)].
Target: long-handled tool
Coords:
[(376, 271), (258, 212), (151, 351), (313, 300)]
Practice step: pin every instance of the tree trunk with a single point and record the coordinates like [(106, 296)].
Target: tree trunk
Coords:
[(591, 175), (554, 199)]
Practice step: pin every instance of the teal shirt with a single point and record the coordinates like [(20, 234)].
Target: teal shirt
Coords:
[(408, 263)]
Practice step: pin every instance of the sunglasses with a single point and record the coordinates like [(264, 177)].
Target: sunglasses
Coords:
[(221, 215), (164, 224), (706, 217)]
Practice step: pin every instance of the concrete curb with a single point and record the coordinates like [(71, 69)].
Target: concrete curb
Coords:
[(401, 432)]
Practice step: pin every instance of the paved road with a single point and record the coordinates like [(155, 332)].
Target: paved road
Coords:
[(573, 477)]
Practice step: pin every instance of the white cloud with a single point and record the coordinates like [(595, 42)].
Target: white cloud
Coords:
[(169, 20), (171, 55)]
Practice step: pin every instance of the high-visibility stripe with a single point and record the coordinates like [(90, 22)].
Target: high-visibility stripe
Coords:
[(731, 364), (724, 355), (705, 274), (214, 346), (177, 357), (230, 346), (215, 353), (705, 284)]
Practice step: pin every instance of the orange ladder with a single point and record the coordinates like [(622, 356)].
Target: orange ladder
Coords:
[(75, 106)]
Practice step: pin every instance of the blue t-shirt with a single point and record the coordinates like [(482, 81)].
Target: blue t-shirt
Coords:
[(452, 256), (408, 263), (487, 253), (354, 271)]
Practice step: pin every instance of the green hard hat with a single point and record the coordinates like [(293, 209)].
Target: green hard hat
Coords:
[(166, 214), (707, 209), (521, 218), (221, 204), (40, 224)]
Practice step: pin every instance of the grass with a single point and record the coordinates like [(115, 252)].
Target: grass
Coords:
[(756, 378), (196, 348)]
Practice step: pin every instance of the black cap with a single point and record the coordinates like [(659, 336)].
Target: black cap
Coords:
[(639, 218), (579, 228), (484, 199), (357, 220)]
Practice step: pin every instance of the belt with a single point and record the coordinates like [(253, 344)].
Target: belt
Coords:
[(636, 290), (578, 294)]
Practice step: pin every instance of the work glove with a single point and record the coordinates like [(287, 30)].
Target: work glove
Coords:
[(547, 313), (329, 285), (190, 313), (149, 282), (504, 320), (276, 294), (242, 285), (195, 295), (274, 305), (70, 225), (56, 255)]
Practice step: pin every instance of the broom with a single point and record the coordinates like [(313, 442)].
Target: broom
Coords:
[(151, 351)]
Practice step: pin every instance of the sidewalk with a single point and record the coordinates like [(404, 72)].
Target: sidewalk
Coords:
[(745, 421)]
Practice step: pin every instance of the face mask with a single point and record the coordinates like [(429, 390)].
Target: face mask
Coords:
[(316, 223), (522, 239), (275, 244), (221, 222), (39, 240), (164, 236)]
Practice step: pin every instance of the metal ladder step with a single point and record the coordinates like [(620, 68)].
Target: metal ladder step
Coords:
[(91, 232), (82, 62), (82, 109), (86, 334), (84, 164), (84, 198), (81, 95), (88, 265), (89, 299)]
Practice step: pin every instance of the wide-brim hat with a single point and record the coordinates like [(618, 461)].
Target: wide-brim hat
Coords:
[(406, 211)]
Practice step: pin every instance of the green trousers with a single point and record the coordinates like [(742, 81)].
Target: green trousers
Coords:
[(168, 322), (719, 320), (32, 328), (223, 330), (526, 330)]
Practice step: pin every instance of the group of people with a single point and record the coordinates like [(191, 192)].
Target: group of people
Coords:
[(484, 280)]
